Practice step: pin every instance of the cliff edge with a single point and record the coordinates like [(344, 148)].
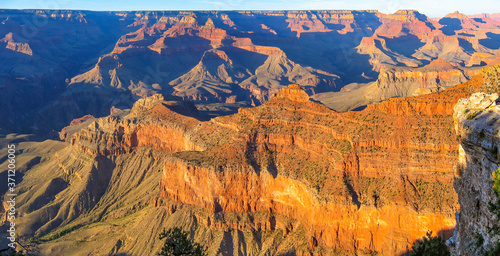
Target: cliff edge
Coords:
[(477, 125)]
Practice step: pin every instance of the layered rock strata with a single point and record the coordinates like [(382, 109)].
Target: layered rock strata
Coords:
[(351, 181), (289, 176)]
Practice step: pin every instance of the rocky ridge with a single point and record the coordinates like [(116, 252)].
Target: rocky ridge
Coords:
[(44, 48), (399, 82), (227, 59)]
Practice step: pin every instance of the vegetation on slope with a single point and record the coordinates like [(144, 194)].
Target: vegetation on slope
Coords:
[(435, 246)]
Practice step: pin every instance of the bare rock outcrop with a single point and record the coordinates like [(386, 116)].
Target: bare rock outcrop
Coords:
[(163, 129), (476, 124)]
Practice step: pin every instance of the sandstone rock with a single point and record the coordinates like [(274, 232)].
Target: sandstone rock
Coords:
[(146, 104), (477, 102), (164, 129), (13, 44), (67, 131), (247, 163)]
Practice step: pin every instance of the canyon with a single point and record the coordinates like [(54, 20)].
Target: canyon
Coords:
[(289, 176), (69, 63), (257, 132)]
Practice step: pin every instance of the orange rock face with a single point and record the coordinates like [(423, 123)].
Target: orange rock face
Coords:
[(294, 93), (355, 182), (388, 229), (352, 181), (164, 131)]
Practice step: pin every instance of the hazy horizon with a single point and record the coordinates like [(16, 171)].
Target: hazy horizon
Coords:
[(426, 7)]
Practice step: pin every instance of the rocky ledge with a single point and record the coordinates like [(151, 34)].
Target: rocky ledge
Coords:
[(477, 125)]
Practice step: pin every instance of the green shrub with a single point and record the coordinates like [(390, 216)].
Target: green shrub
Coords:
[(481, 134), (479, 241), (496, 181), (471, 115), (495, 209), (178, 243), (435, 246), (494, 150), (495, 251), (58, 234)]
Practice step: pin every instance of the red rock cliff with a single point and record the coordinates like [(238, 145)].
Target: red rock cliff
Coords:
[(374, 180)]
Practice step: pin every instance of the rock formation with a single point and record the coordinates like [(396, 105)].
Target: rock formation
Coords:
[(399, 82), (286, 167), (289, 176), (44, 48), (63, 135), (227, 59), (247, 164), (477, 128), (11, 44)]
